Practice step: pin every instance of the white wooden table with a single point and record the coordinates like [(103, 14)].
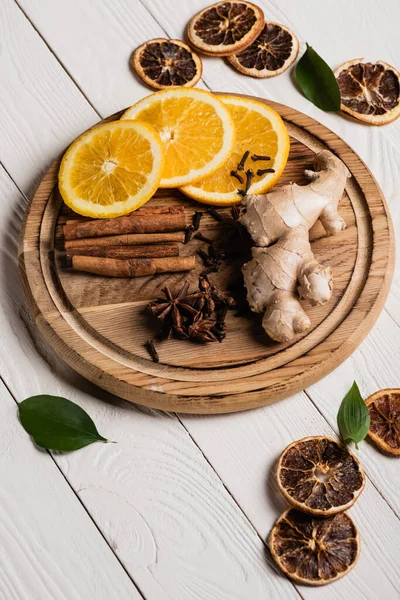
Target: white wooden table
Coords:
[(180, 508)]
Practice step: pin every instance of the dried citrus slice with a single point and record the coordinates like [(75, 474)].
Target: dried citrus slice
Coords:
[(271, 53), (196, 128), (163, 63), (226, 27), (112, 169), (314, 551), (384, 410), (369, 92), (319, 476), (260, 130)]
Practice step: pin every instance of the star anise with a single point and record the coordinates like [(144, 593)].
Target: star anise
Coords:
[(201, 329), (169, 331), (174, 309), (198, 315), (208, 296)]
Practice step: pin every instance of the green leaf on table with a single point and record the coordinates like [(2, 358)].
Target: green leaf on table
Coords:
[(56, 423), (317, 81), (353, 417)]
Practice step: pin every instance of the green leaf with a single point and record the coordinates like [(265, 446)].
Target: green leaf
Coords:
[(317, 81), (353, 417), (56, 423)]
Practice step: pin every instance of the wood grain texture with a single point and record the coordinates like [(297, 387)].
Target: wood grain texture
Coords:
[(379, 147), (99, 67), (42, 91), (96, 324), (374, 365), (244, 448), (30, 367), (36, 561), (110, 88), (144, 470), (168, 515), (159, 504)]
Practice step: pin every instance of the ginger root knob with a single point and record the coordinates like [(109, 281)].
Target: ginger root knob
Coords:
[(283, 265)]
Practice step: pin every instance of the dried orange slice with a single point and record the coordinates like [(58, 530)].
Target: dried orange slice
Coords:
[(260, 130), (112, 169), (369, 92), (271, 53), (163, 63), (384, 429), (319, 476), (197, 130), (225, 28), (314, 551)]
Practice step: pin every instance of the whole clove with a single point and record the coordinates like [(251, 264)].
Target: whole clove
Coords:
[(249, 179), (222, 315), (234, 227), (202, 238), (256, 157), (213, 258), (263, 171), (151, 349), (196, 219), (188, 234), (215, 214), (241, 163), (220, 335), (237, 176)]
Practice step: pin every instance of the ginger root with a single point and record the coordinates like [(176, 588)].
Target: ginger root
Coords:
[(283, 265)]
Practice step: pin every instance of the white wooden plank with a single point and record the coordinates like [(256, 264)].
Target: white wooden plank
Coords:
[(267, 430), (156, 500), (353, 38), (379, 147), (156, 493), (243, 448), (40, 111), (153, 495), (112, 30), (218, 71), (385, 160), (339, 31), (375, 365), (50, 549)]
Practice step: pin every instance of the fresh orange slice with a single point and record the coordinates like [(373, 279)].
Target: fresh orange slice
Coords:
[(112, 169), (369, 92), (320, 477), (314, 551), (163, 63), (271, 53), (384, 429), (196, 128), (259, 130), (226, 27)]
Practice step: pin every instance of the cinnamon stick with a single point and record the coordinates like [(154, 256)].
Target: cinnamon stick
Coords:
[(150, 221), (128, 239), (75, 218), (132, 267), (155, 251)]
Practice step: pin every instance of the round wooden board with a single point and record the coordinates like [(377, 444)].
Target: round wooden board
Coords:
[(97, 324)]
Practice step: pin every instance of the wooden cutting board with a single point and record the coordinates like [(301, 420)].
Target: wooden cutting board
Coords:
[(98, 327)]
